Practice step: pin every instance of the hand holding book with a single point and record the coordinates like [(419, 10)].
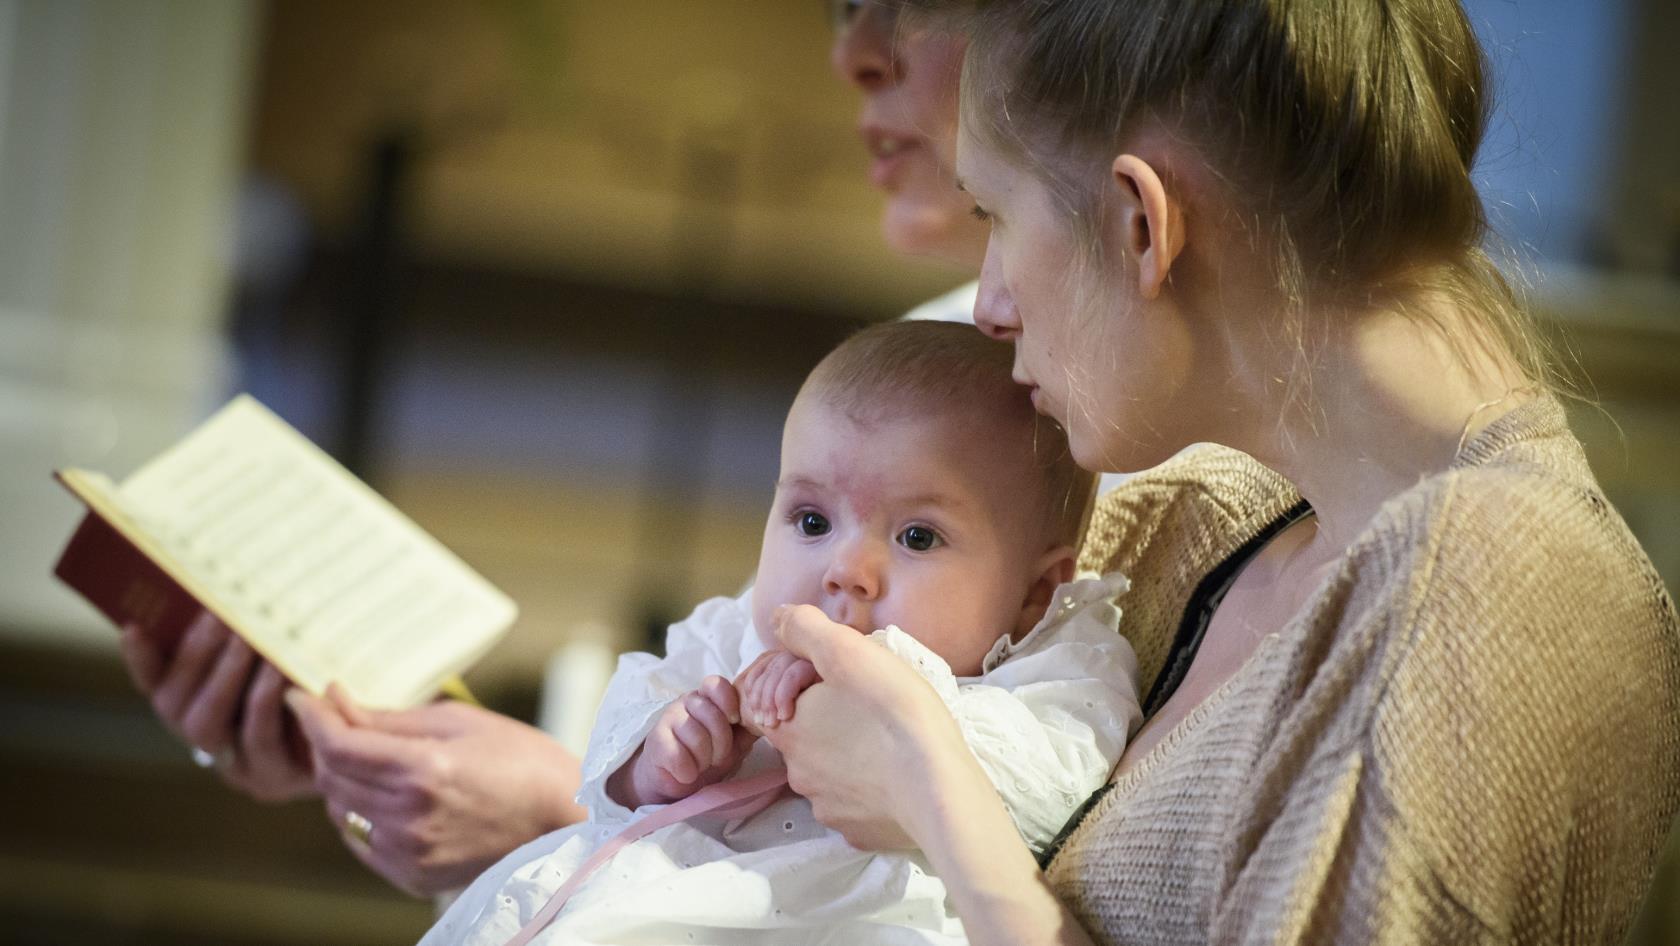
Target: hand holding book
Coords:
[(245, 517), (317, 573), (217, 695), (448, 788)]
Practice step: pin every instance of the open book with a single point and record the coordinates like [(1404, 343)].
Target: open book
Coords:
[(322, 576)]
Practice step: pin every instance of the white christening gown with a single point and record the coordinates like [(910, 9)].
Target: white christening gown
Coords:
[(1047, 718)]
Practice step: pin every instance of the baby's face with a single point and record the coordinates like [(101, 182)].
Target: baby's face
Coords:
[(912, 521)]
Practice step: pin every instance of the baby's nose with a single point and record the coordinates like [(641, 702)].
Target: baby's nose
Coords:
[(856, 572)]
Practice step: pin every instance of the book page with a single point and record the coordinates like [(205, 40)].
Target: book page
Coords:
[(318, 572)]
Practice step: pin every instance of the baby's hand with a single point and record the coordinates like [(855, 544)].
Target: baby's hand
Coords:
[(695, 742), (770, 685)]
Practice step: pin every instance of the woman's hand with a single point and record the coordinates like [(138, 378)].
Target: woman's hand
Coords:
[(867, 722), (217, 695), (447, 788), (883, 763)]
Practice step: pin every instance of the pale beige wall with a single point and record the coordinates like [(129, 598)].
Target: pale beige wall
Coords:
[(121, 143), (561, 136)]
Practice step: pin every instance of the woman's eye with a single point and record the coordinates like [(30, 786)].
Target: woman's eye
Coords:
[(919, 538), (979, 214), (811, 524)]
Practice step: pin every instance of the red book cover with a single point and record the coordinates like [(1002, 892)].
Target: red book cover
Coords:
[(115, 576)]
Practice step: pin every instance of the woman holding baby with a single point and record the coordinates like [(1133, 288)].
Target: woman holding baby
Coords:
[(1424, 686)]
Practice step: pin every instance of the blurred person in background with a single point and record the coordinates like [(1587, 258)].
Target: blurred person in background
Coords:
[(430, 797)]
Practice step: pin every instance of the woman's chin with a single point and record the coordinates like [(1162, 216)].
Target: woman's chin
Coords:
[(913, 228), (1119, 455)]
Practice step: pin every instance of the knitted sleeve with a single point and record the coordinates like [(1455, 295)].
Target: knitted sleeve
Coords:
[(1516, 766)]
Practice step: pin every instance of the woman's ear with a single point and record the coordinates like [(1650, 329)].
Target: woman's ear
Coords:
[(1152, 222), (1054, 568)]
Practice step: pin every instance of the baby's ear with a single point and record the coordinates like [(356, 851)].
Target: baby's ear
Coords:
[(1054, 568)]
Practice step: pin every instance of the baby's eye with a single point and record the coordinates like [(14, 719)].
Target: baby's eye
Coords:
[(919, 538), (811, 524)]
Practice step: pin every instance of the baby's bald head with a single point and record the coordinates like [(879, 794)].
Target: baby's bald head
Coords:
[(953, 371)]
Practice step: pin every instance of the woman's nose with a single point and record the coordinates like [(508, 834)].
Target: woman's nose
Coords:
[(862, 53), (994, 307), (855, 570)]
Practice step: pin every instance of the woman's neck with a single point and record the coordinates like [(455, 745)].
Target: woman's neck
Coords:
[(1390, 401)]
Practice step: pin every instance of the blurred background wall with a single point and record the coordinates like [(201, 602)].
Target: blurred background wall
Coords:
[(548, 272)]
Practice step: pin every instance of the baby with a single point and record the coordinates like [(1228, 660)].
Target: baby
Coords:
[(922, 502)]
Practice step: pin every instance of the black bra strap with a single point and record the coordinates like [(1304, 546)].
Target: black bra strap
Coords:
[(1192, 628), (1198, 611)]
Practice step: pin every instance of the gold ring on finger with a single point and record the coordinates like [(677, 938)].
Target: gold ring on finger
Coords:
[(205, 759), (358, 827)]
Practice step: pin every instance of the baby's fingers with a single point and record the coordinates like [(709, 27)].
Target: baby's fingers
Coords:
[(723, 695), (748, 682), (796, 679), (665, 751), (764, 700), (708, 731)]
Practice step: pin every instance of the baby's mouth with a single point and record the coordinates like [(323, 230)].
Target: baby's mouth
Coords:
[(841, 614)]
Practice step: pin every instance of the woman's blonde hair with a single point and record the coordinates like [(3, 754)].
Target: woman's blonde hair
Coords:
[(1345, 131)]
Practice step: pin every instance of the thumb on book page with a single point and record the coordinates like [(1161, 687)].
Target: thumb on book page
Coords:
[(313, 714), (361, 752), (347, 707), (433, 720)]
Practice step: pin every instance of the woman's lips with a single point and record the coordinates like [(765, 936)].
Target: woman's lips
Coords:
[(891, 154), (1032, 390)]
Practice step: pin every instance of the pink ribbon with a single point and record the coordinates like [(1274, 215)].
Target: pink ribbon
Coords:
[(740, 798)]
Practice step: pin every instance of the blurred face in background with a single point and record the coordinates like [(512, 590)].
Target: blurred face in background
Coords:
[(908, 76)]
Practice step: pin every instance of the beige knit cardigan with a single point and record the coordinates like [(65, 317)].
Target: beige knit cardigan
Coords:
[(1471, 734)]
